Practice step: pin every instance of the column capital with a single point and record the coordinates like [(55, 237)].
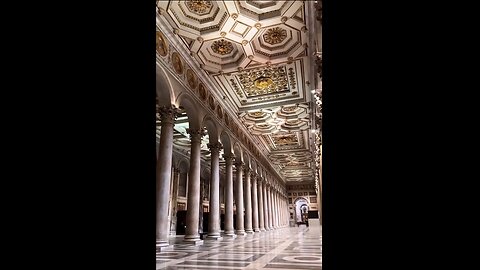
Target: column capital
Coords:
[(239, 164), (247, 169), (176, 170), (260, 180), (216, 146), (167, 114), (228, 158), (253, 174), (196, 134)]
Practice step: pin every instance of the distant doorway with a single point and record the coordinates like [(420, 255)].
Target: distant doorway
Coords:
[(301, 211)]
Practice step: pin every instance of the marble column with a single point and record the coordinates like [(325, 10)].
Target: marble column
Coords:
[(193, 196), (277, 208), (285, 202), (255, 203), (214, 202), (164, 173), (228, 230), (265, 206), (274, 208), (174, 197), (270, 208), (248, 201), (287, 213), (239, 198), (280, 209), (280, 203), (260, 205)]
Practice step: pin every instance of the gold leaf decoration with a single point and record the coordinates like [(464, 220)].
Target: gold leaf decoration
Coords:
[(275, 35), (222, 47), (199, 7)]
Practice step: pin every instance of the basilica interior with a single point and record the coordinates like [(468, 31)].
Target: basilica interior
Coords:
[(239, 134)]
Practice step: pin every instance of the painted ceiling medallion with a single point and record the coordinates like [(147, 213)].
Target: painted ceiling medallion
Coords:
[(162, 48), (202, 92), (177, 63), (275, 35), (222, 47), (199, 7), (191, 79)]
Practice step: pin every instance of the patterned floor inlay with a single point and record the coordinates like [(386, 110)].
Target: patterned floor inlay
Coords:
[(291, 248)]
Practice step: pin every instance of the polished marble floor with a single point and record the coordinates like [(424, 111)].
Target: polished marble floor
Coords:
[(286, 248)]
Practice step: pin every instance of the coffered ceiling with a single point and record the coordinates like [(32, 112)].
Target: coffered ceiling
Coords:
[(257, 53)]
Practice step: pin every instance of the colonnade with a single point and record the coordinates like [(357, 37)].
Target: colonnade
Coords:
[(260, 200)]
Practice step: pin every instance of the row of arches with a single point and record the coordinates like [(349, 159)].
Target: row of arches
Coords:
[(170, 91), (261, 201)]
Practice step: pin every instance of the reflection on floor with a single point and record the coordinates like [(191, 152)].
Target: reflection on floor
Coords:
[(287, 248)]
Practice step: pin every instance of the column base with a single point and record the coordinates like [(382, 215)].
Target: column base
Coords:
[(214, 237), (262, 229), (256, 230), (240, 233), (161, 245), (230, 232), (195, 240), (230, 236)]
